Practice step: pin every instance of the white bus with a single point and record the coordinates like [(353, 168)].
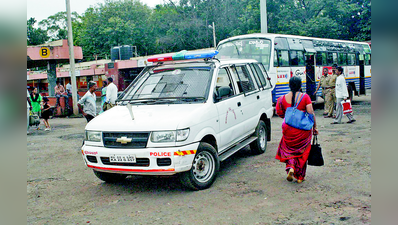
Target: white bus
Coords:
[(285, 56)]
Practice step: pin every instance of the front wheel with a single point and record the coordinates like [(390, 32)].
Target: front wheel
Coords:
[(204, 169), (259, 146), (110, 177)]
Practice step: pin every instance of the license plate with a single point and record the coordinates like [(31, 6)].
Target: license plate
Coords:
[(122, 158)]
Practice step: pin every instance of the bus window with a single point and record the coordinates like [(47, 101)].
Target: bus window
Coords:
[(252, 48), (332, 58), (351, 59), (367, 59), (301, 58), (283, 58), (297, 58), (342, 59), (276, 58), (318, 58), (321, 58)]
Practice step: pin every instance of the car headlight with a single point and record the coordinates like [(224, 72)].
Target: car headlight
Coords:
[(170, 136), (182, 135), (94, 136), (163, 136)]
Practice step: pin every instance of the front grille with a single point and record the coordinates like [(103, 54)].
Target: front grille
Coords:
[(163, 161), (139, 162), (139, 139), (91, 158)]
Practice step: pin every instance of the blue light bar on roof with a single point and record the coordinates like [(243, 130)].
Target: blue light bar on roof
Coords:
[(201, 54), (183, 55)]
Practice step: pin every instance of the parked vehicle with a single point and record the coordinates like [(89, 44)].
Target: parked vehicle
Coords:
[(184, 114)]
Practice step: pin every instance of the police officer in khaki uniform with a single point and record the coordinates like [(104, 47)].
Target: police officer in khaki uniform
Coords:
[(332, 94), (324, 83)]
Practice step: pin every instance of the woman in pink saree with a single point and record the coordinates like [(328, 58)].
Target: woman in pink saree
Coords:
[(295, 144)]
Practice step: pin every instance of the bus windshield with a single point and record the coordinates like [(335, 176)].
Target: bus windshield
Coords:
[(252, 48)]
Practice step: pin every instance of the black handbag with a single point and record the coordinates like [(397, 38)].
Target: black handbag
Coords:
[(315, 158)]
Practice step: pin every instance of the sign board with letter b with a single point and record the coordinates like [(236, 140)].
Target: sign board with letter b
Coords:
[(44, 52)]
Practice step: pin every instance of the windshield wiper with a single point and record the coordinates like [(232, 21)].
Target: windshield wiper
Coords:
[(192, 99)]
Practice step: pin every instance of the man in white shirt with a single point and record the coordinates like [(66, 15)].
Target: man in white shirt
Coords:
[(111, 92), (87, 104), (341, 94)]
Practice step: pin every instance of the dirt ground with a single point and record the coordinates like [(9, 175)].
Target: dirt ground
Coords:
[(248, 190)]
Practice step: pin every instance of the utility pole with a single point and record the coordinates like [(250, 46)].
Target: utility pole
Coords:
[(263, 16), (72, 59), (214, 36)]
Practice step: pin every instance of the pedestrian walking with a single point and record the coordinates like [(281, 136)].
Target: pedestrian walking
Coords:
[(324, 83), (36, 101), (103, 95), (45, 114), (341, 94), (295, 144), (87, 104)]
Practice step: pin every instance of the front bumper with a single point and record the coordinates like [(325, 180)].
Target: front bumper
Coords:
[(149, 161)]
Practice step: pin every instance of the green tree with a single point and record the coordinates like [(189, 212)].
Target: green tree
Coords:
[(35, 36), (115, 23), (56, 25)]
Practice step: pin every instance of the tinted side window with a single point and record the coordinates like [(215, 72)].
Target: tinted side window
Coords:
[(245, 82), (261, 73)]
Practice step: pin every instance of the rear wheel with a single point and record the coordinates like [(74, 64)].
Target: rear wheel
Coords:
[(204, 168), (110, 177), (259, 146)]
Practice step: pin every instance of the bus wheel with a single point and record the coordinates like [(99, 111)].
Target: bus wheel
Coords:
[(204, 169), (110, 177)]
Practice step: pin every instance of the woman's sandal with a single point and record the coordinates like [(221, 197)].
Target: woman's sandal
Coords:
[(290, 175), (300, 181)]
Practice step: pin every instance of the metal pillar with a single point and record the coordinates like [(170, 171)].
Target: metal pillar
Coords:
[(51, 76), (72, 59), (263, 16)]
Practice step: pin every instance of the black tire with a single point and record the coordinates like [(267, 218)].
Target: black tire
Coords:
[(110, 177), (204, 169), (259, 146)]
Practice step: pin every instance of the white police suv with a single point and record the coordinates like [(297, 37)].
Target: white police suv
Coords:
[(184, 114)]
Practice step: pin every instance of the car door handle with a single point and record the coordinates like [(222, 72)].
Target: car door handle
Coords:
[(258, 96), (239, 104)]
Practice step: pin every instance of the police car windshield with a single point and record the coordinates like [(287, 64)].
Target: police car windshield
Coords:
[(165, 85)]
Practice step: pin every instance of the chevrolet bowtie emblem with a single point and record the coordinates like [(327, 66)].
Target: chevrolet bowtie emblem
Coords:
[(124, 140)]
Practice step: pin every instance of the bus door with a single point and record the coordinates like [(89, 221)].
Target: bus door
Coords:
[(362, 74), (310, 75), (310, 68)]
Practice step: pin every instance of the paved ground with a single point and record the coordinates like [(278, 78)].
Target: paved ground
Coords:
[(248, 190)]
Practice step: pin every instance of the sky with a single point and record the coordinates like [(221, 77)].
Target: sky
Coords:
[(41, 9)]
